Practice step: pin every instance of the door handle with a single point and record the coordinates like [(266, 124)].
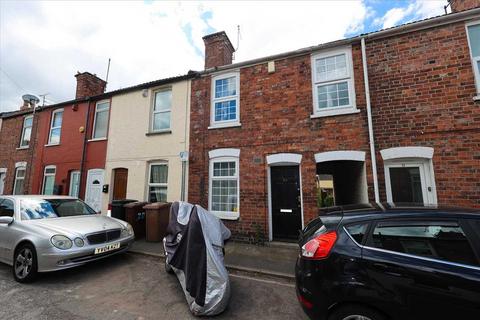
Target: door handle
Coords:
[(393, 271)]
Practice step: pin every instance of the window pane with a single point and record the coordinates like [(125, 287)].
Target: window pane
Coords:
[(357, 231), (50, 171), (406, 185), (161, 121), (224, 169), (28, 122), (19, 182), (20, 173), (26, 137), (158, 174), (55, 136), (224, 195), (474, 36), (103, 106), (163, 100), (225, 87), (157, 194), (226, 110), (101, 124), (333, 95), (433, 241), (74, 184), (6, 208), (331, 68), (57, 119), (48, 185)]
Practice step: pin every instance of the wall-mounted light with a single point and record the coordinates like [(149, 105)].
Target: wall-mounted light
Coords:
[(145, 93)]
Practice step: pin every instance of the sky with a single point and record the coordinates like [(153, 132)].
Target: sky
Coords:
[(44, 43)]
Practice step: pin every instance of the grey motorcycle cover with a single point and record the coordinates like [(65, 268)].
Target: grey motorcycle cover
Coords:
[(194, 249)]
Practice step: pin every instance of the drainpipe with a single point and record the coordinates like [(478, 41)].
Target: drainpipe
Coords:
[(183, 190), (84, 151), (370, 125)]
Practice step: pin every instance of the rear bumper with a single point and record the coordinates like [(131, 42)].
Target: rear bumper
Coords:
[(53, 259)]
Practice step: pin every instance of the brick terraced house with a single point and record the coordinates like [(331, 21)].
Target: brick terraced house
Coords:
[(392, 115)]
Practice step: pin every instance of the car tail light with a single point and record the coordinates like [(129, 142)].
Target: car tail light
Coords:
[(307, 304), (320, 246)]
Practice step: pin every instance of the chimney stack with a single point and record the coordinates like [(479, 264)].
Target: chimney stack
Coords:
[(218, 50), (29, 101), (462, 5), (89, 85)]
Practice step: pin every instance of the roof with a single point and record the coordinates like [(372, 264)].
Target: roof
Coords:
[(144, 85)]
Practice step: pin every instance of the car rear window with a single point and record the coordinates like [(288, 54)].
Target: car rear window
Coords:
[(357, 231), (443, 241)]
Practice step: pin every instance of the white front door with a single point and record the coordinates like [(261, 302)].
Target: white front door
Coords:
[(93, 194), (409, 181), (2, 181)]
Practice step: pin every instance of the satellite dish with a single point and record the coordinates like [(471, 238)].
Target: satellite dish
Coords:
[(30, 98)]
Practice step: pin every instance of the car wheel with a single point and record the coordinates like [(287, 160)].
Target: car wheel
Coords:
[(355, 312), (25, 264)]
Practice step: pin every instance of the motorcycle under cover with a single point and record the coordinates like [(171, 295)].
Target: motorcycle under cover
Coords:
[(194, 249)]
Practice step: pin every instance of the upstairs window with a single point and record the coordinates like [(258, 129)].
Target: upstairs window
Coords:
[(474, 42), (225, 99), (333, 87), (49, 180), (100, 122), (55, 127), (26, 132), (162, 108)]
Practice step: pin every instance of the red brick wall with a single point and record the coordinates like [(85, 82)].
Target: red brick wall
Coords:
[(461, 5), (10, 135), (89, 85), (421, 87), (275, 114)]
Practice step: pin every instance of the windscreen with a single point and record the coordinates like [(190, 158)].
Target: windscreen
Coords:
[(31, 209)]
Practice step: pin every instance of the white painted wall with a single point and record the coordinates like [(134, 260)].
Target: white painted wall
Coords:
[(129, 147)]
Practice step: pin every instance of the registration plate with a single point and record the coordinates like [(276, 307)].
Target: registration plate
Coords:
[(110, 247)]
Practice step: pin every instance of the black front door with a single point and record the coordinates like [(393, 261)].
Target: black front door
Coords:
[(286, 208)]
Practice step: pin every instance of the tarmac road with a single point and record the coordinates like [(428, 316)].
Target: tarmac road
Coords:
[(132, 286)]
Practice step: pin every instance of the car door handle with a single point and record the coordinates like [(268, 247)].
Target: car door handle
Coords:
[(382, 267)]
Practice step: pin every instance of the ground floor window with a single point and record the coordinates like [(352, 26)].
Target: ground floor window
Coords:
[(3, 174), (49, 180), (158, 182), (74, 189), (224, 183), (18, 186)]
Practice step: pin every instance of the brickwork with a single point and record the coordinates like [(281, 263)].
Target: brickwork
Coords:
[(275, 114), (218, 50), (89, 85), (461, 5), (422, 85)]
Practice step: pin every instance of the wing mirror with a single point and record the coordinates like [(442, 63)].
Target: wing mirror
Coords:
[(6, 220)]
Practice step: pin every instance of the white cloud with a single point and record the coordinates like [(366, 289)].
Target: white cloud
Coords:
[(43, 44), (415, 10)]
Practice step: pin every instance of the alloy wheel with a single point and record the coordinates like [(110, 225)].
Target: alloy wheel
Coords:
[(356, 317), (23, 263)]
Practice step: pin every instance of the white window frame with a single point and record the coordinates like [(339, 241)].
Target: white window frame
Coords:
[(218, 156), (225, 123), (150, 184), (54, 112), (475, 60), (2, 183), (19, 167), (45, 175), (24, 128), (349, 78), (70, 188), (152, 118), (95, 120)]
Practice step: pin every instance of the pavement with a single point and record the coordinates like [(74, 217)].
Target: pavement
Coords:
[(273, 259), (133, 286)]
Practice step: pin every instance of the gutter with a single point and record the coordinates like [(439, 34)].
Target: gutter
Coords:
[(406, 28), (370, 123)]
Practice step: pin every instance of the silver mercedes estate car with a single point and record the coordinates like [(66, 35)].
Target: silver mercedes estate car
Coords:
[(46, 233)]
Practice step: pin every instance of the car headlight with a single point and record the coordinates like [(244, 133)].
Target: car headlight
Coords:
[(79, 242), (61, 242), (127, 231)]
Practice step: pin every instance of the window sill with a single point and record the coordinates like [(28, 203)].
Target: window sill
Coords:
[(154, 133), (329, 113), (23, 148), (97, 139), (476, 98), (52, 145), (226, 215), (225, 125)]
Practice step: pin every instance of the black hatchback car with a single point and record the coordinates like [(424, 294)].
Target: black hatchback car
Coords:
[(383, 262)]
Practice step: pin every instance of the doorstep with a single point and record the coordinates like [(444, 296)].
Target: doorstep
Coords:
[(271, 259)]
